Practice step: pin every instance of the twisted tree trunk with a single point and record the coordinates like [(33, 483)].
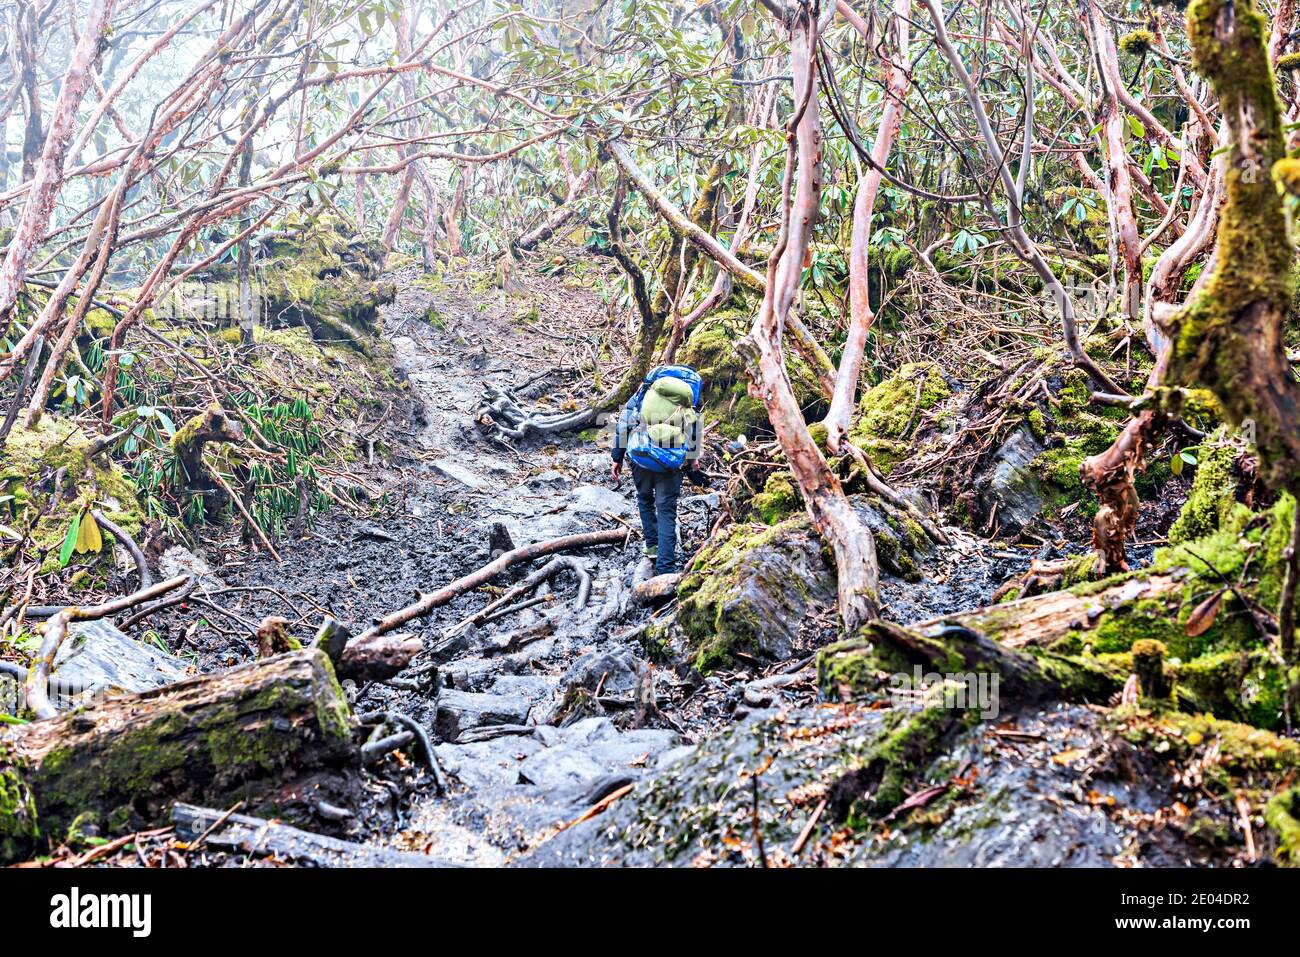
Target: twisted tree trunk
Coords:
[(1229, 337), (832, 515), (860, 314)]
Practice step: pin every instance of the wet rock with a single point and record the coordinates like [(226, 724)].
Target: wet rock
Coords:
[(590, 731), (613, 672), (667, 759), (99, 659), (486, 764), (633, 748), (535, 688), (590, 749), (1012, 484), (458, 472), (473, 674), (751, 589), (179, 560), (372, 532), (550, 480), (460, 711), (559, 767), (548, 735), (597, 499), (490, 732), (765, 692), (499, 540)]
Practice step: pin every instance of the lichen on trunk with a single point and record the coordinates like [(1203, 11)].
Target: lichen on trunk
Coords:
[(1229, 337)]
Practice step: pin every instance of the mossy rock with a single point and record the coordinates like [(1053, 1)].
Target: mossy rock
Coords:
[(887, 410), (750, 589), (29, 462), (312, 275), (778, 500)]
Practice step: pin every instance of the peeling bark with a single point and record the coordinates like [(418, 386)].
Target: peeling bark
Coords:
[(860, 314), (47, 177), (832, 515)]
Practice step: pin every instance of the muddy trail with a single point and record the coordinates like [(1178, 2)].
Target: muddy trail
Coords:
[(728, 722), (542, 711)]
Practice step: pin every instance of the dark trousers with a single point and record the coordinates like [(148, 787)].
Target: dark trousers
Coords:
[(656, 498)]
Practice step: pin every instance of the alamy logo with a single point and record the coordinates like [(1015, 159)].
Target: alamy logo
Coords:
[(75, 910), (977, 691)]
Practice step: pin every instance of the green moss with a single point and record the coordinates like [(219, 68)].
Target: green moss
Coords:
[(18, 821), (1247, 757), (1228, 668), (332, 711), (1238, 685), (100, 323), (848, 670), (712, 351), (314, 276), (228, 745), (655, 643), (1250, 288), (886, 410), (1282, 815), (1287, 171), (894, 552), (1037, 423), (778, 500), (29, 462), (1084, 677), (1211, 502), (908, 746), (1074, 429)]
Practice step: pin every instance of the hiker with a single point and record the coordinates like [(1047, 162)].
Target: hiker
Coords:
[(659, 433)]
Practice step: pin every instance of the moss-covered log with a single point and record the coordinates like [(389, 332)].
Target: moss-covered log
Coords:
[(213, 739), (853, 667), (1204, 603)]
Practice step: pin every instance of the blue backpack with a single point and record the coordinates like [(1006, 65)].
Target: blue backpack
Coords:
[(665, 444)]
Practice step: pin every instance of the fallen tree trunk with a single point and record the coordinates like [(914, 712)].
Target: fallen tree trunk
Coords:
[(957, 653), (215, 738), (1022, 677), (426, 604), (1042, 620), (253, 835)]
